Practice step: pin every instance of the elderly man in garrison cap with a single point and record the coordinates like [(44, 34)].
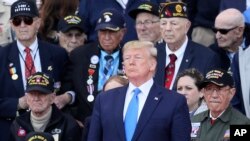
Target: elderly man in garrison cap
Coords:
[(214, 124), (44, 116), (92, 64), (71, 32), (178, 53), (147, 22), (21, 58)]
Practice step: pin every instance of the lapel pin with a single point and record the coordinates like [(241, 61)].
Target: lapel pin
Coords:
[(14, 77), (156, 98), (186, 60), (50, 68), (11, 64)]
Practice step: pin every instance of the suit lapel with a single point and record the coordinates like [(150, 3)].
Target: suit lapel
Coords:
[(187, 58), (150, 105), (161, 63), (94, 51), (14, 62), (46, 59), (118, 113)]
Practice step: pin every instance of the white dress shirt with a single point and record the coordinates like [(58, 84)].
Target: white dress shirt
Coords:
[(35, 56), (179, 54), (145, 88)]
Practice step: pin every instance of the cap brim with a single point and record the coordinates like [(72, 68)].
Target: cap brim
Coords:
[(206, 82), (67, 28), (38, 88), (135, 12), (105, 26), (23, 14)]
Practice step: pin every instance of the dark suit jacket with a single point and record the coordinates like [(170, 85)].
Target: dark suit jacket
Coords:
[(225, 61), (164, 117), (77, 76), (195, 56), (237, 101), (52, 59)]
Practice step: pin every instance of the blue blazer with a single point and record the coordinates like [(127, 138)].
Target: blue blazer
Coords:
[(195, 56), (237, 101), (164, 117), (52, 59)]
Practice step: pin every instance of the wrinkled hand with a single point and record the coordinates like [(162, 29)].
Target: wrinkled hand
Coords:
[(62, 100), (22, 103)]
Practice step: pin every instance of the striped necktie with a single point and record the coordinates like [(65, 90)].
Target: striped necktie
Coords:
[(109, 59)]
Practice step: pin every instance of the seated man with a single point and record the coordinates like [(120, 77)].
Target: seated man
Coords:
[(44, 116), (213, 124), (147, 22), (71, 32)]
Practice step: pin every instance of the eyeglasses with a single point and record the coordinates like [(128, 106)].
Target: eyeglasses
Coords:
[(219, 90), (18, 20), (146, 22), (223, 31)]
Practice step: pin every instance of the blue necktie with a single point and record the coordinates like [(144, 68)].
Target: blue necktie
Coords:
[(109, 59), (131, 115)]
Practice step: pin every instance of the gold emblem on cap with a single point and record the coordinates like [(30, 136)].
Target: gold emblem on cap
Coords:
[(145, 7), (72, 19), (178, 8), (214, 74)]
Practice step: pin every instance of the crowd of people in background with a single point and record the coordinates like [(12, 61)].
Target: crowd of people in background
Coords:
[(101, 70)]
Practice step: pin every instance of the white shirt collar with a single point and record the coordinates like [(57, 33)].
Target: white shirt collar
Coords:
[(33, 46), (180, 52), (145, 88)]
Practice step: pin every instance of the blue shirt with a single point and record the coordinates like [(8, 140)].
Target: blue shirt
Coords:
[(113, 71)]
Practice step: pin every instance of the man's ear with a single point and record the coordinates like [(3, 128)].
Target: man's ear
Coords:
[(232, 92)]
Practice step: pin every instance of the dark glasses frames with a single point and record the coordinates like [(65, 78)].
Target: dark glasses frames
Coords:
[(223, 31), (18, 20)]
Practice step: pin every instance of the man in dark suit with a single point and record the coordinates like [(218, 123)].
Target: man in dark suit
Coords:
[(160, 114), (16, 65), (229, 30), (92, 64), (187, 54)]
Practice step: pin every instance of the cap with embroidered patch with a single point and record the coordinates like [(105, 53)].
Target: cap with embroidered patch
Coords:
[(70, 22), (24, 8), (110, 19), (173, 9), (218, 77), (147, 7), (41, 82), (39, 136)]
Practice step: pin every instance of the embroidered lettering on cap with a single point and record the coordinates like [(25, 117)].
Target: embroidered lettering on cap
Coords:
[(72, 20), (22, 7), (146, 7)]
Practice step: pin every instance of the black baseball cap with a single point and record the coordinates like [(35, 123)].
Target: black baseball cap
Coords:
[(218, 77), (70, 22), (110, 19), (147, 7), (24, 8), (40, 81)]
